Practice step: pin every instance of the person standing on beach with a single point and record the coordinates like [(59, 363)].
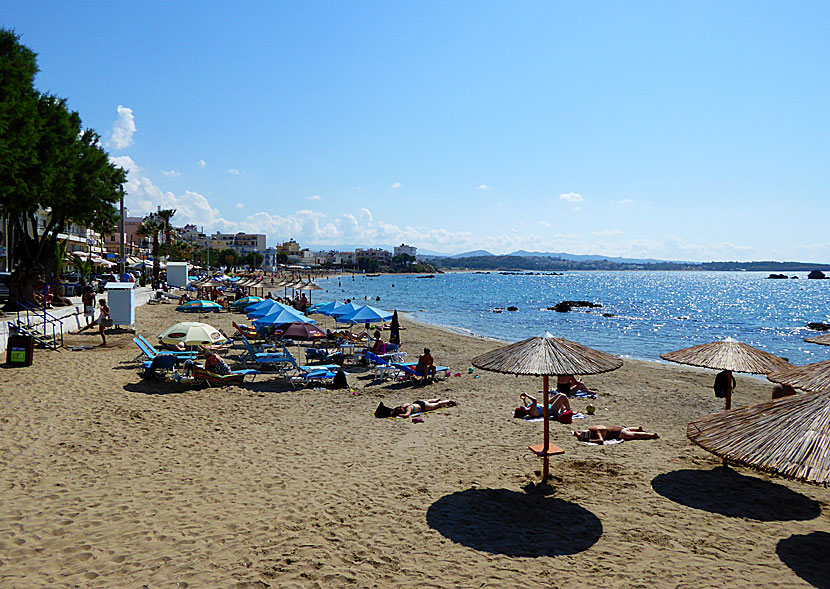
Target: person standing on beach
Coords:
[(104, 321)]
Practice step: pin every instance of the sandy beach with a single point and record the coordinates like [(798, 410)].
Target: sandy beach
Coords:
[(111, 481)]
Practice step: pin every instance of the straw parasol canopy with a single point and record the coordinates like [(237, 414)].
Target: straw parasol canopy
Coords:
[(546, 356), (789, 436), (729, 355), (822, 340), (813, 378)]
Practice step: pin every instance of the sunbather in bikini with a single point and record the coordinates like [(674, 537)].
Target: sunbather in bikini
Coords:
[(531, 409), (599, 434), (408, 409)]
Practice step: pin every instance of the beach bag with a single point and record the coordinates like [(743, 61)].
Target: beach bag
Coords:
[(382, 410), (107, 322), (339, 381), (566, 416)]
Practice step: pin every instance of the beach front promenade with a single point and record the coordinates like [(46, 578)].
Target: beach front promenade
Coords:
[(111, 481)]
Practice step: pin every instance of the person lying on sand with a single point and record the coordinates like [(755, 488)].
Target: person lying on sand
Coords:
[(408, 409), (531, 409), (598, 434)]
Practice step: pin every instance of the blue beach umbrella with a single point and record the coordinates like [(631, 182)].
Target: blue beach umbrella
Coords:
[(365, 314), (200, 306), (267, 307), (327, 308), (280, 317), (246, 302), (344, 310)]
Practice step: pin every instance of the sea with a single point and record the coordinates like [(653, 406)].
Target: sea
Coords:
[(642, 314)]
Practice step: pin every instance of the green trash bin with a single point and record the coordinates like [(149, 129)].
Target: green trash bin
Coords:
[(20, 350)]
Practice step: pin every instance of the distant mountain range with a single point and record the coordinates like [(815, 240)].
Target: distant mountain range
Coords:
[(589, 258)]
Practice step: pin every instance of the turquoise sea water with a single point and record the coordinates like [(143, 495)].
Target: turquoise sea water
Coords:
[(653, 312)]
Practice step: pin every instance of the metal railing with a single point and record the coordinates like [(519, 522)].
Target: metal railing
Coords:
[(36, 322)]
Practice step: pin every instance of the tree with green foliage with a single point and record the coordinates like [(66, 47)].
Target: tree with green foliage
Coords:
[(368, 264), (253, 260), (151, 228), (50, 166)]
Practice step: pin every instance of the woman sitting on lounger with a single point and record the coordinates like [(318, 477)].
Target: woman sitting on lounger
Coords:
[(569, 385), (214, 363), (408, 409), (531, 409), (598, 434)]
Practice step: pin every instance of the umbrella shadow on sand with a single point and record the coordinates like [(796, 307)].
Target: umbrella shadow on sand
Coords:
[(727, 492), (500, 521), (807, 557)]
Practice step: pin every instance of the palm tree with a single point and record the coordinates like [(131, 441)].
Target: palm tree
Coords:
[(164, 215), (151, 226)]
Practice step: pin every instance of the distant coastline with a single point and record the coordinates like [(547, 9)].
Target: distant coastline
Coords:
[(545, 264)]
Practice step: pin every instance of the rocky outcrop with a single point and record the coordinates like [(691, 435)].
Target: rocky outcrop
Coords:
[(819, 326), (816, 275), (566, 306), (512, 308), (777, 276)]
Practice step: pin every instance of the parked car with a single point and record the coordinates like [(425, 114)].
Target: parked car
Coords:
[(103, 279)]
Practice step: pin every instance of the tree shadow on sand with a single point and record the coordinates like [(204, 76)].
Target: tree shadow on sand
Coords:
[(807, 556), (727, 492), (500, 521)]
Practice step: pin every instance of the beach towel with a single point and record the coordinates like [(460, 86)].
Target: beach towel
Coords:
[(607, 443), (535, 419)]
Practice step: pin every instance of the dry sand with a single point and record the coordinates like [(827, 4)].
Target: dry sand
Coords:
[(109, 481)]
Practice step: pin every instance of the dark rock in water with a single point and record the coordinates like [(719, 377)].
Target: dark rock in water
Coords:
[(819, 326), (497, 309), (608, 315), (777, 276), (794, 277), (512, 308), (816, 274), (566, 306)]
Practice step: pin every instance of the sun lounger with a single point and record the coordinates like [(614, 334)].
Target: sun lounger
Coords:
[(381, 366), (162, 362), (151, 352), (411, 374), (252, 355), (236, 377)]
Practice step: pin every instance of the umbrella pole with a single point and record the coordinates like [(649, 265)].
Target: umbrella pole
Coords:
[(546, 445), (728, 390)]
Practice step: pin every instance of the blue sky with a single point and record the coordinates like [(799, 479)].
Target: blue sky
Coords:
[(674, 130)]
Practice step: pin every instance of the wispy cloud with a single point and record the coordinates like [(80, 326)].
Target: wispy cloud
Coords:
[(239, 205), (171, 173), (396, 185), (234, 172), (626, 202), (201, 164), (607, 233), (482, 187), (123, 129), (545, 224), (315, 197), (571, 197)]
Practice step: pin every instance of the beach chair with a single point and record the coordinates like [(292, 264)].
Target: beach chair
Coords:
[(151, 352), (317, 367), (381, 366), (246, 331), (163, 362), (251, 355), (411, 374), (236, 377), (313, 375)]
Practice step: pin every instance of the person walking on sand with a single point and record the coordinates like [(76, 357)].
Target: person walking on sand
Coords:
[(104, 321)]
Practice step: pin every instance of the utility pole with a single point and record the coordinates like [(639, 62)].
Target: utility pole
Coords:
[(123, 240)]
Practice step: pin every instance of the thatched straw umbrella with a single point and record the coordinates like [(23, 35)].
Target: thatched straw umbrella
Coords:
[(822, 340), (789, 436), (813, 378), (546, 356), (729, 355)]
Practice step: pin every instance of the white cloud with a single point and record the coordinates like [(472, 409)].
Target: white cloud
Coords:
[(482, 187), (201, 164), (571, 197), (545, 224), (606, 233), (234, 172), (396, 185), (123, 129), (239, 205), (626, 202), (315, 197), (171, 173)]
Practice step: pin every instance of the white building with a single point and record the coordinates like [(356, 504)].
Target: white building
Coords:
[(406, 249)]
